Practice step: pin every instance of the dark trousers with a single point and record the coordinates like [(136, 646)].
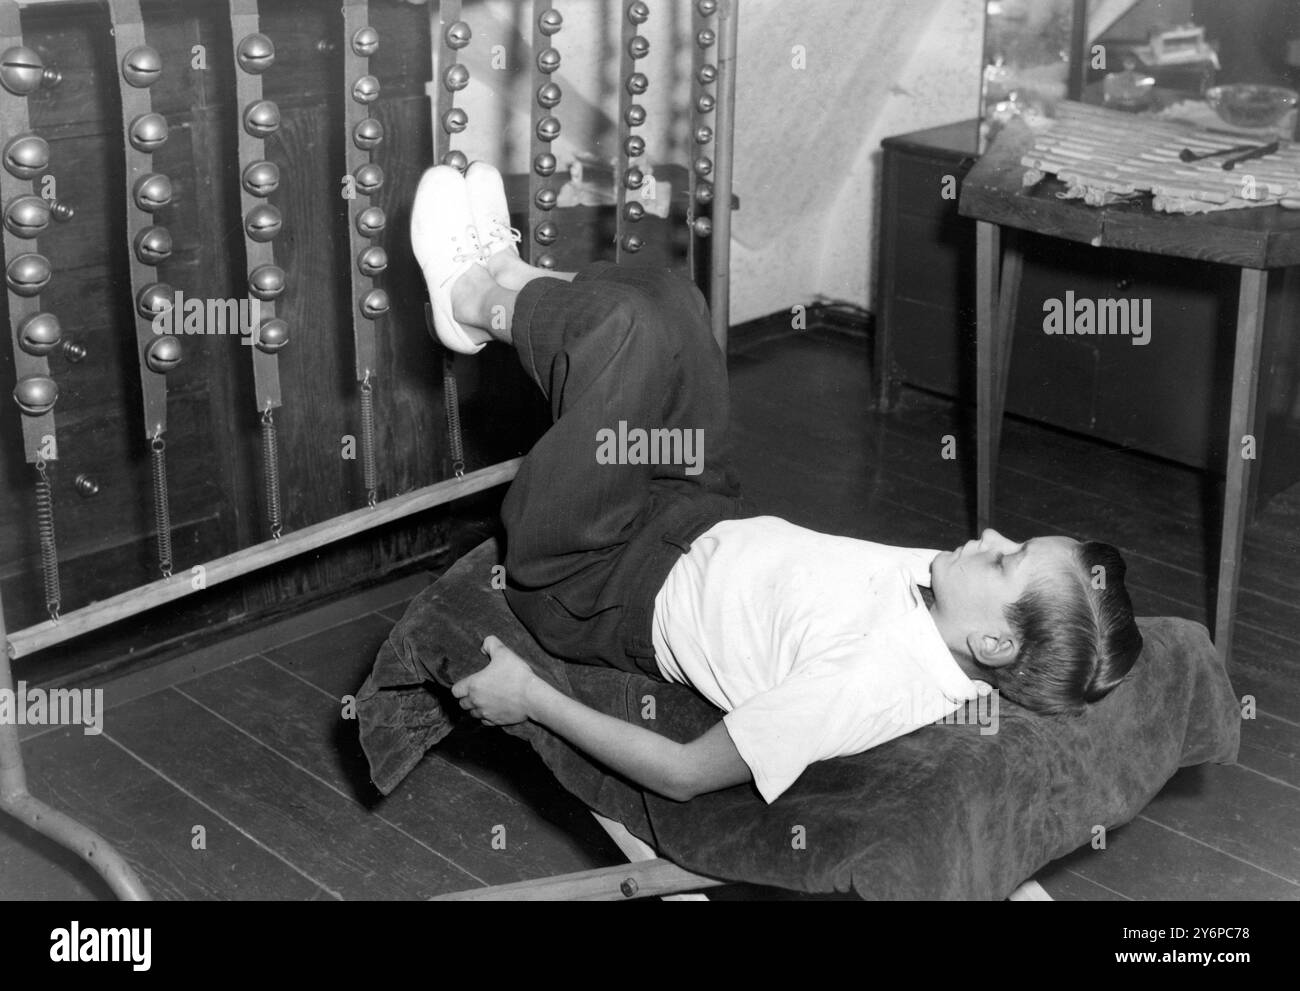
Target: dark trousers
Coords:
[(589, 544)]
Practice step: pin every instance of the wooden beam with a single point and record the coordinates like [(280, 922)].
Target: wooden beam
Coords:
[(186, 582), (620, 883)]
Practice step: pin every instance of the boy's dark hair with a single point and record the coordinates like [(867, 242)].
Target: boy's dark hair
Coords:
[(1078, 638)]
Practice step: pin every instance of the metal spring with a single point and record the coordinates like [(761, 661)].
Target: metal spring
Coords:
[(49, 554), (451, 395), (161, 508), (369, 472), (271, 472)]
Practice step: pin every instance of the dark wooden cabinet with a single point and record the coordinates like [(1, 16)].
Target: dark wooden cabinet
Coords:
[(1168, 397)]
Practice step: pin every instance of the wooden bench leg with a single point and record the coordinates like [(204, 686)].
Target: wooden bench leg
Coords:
[(1245, 383)]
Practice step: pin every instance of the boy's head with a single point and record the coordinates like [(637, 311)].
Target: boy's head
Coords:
[(1048, 621)]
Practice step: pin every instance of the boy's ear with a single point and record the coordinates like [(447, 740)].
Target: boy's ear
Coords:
[(992, 651)]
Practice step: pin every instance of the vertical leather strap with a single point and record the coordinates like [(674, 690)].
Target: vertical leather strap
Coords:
[(543, 185), (259, 118), (704, 78), (26, 269), (629, 178), (138, 67)]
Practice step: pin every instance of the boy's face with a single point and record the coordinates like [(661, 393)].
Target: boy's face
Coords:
[(974, 584)]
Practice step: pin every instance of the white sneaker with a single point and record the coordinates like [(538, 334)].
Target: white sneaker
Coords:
[(487, 200), (446, 244)]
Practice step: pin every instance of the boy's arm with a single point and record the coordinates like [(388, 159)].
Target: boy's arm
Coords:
[(507, 691)]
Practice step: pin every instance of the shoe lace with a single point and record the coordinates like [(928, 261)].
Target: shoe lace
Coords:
[(500, 231)]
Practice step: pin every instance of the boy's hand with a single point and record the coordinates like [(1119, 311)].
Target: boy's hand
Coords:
[(497, 694)]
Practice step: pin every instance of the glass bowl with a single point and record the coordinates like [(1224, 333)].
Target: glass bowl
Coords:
[(1249, 105)]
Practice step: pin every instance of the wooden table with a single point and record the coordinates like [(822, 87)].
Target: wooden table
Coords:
[(1253, 240)]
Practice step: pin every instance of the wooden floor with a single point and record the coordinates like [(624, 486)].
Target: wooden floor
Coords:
[(242, 745)]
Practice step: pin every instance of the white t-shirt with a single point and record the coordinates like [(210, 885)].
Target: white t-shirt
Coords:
[(816, 646)]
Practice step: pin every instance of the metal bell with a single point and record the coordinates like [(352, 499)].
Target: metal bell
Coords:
[(36, 394), (261, 178), (638, 46), (21, 70), (153, 245), (633, 211), (148, 132), (164, 354), (633, 178), (27, 216), (705, 38), (703, 134), (374, 304), (632, 243), (455, 120), (152, 191), (705, 103), (548, 60), (365, 42), (702, 226), (546, 233), (707, 8), (544, 164), (40, 334), (262, 119), (28, 274), (141, 66), (546, 261), (368, 134), (703, 166), (372, 261), (255, 53), (272, 335), (366, 89), (456, 77), (548, 95), (155, 298), (548, 128), (262, 222), (369, 178), (458, 35), (266, 282), (456, 159), (634, 146), (635, 115), (26, 156), (371, 221), (545, 198), (638, 83), (638, 12), (550, 21), (704, 192), (707, 73)]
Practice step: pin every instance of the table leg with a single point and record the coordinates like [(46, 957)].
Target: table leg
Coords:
[(1245, 383), (996, 286)]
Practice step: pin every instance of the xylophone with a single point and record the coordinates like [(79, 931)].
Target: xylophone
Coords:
[(1105, 156)]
